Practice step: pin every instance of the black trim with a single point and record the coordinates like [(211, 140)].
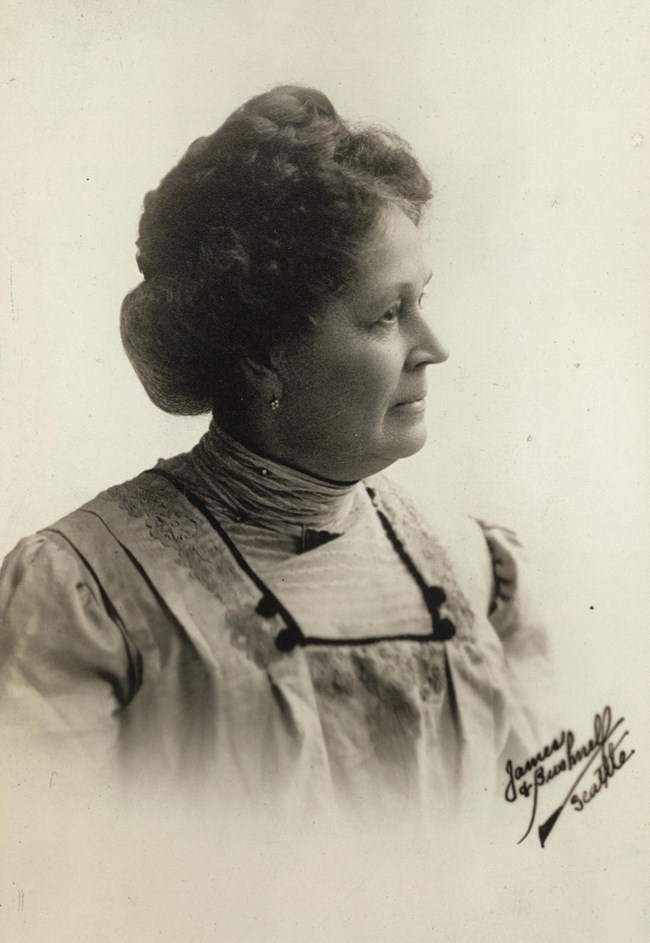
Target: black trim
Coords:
[(269, 600), (291, 635), (434, 596)]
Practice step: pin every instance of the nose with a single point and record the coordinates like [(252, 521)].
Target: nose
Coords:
[(426, 346)]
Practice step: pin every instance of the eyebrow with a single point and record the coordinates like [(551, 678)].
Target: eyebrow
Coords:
[(386, 291), (400, 286)]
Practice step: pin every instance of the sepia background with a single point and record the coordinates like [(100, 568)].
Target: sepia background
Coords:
[(532, 119)]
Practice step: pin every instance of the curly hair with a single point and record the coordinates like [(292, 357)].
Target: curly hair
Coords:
[(256, 228)]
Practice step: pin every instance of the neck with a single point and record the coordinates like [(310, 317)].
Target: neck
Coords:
[(258, 488), (297, 449)]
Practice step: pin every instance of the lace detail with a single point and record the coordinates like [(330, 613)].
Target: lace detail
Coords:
[(391, 682), (332, 673), (418, 667), (174, 523), (427, 553), (393, 716), (253, 636)]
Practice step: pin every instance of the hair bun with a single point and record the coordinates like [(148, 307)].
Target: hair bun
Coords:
[(167, 354), (289, 117), (291, 104)]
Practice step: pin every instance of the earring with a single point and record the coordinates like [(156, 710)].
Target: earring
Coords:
[(275, 403)]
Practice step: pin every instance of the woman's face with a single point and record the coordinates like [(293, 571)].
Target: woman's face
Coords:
[(353, 392)]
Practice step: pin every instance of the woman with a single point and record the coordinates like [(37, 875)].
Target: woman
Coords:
[(266, 616)]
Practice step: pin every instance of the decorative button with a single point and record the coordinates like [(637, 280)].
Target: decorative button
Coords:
[(285, 640), (266, 607), (436, 596), (445, 630), (264, 471)]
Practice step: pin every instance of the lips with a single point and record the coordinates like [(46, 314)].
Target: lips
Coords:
[(415, 398)]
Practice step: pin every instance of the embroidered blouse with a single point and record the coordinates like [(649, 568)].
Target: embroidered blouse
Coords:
[(228, 624)]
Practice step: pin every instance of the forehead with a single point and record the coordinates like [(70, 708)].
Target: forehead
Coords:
[(395, 256)]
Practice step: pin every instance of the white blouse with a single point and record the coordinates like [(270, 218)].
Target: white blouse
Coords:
[(175, 632)]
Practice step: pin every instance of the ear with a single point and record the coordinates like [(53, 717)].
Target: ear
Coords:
[(264, 376)]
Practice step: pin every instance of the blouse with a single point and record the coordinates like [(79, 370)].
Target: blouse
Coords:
[(188, 630)]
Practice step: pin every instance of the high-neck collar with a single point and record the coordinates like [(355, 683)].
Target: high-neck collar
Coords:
[(260, 490)]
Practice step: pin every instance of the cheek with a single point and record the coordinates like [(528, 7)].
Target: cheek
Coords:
[(360, 385), (355, 403), (342, 385)]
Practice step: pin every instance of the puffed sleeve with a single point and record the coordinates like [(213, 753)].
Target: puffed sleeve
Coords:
[(65, 664), (517, 616)]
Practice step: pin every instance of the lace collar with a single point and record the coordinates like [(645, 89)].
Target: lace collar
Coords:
[(254, 489)]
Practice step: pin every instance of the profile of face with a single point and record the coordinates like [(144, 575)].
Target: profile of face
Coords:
[(352, 393)]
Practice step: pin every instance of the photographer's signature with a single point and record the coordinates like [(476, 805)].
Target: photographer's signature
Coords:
[(602, 754)]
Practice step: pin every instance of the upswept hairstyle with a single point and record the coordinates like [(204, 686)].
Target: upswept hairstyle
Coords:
[(256, 228)]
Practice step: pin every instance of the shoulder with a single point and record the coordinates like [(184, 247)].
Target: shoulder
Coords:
[(52, 556), (57, 629), (41, 561), (100, 522), (46, 581), (489, 558), (507, 559), (58, 588), (517, 609), (144, 549), (130, 495)]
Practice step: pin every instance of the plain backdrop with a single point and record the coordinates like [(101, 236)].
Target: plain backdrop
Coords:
[(532, 119)]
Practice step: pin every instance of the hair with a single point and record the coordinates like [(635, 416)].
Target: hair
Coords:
[(258, 226)]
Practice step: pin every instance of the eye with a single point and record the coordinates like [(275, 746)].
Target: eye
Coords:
[(390, 316)]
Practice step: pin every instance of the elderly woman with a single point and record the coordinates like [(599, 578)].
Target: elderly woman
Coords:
[(266, 616)]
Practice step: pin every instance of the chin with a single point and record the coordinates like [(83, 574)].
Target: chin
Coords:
[(414, 440), (416, 446), (406, 443)]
